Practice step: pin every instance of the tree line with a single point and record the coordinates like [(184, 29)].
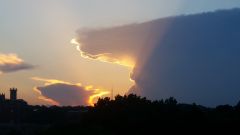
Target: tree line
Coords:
[(128, 114)]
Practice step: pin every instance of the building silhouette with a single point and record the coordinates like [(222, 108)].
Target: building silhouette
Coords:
[(13, 98), (13, 94), (2, 97)]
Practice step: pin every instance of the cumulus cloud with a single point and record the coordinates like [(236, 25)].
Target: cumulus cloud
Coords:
[(194, 58), (57, 92), (12, 63)]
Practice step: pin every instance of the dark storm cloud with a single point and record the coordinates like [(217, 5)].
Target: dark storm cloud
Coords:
[(195, 58), (57, 92), (66, 94)]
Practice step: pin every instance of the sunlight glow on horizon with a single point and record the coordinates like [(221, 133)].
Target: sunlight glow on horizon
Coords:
[(99, 95)]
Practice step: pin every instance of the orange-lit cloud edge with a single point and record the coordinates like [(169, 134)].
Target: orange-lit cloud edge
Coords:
[(10, 59), (104, 58), (97, 92)]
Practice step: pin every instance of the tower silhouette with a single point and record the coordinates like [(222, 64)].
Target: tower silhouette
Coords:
[(2, 97), (13, 94)]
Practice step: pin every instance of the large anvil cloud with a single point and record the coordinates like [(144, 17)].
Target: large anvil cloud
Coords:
[(195, 58)]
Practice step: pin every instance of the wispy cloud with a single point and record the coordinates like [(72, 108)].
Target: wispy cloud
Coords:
[(12, 63)]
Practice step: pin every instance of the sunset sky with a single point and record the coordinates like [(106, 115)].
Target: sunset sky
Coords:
[(41, 45)]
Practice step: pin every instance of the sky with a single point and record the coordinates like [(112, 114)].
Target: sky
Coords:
[(36, 52)]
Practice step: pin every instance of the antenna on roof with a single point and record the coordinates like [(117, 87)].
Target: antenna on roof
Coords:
[(112, 94)]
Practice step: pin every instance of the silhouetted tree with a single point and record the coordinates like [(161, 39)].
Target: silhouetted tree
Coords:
[(137, 114), (171, 101)]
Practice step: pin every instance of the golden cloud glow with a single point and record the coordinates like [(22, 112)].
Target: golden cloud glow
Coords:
[(52, 81), (10, 59), (104, 57), (97, 92), (95, 96)]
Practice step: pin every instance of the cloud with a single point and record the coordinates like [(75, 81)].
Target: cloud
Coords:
[(194, 58), (57, 92), (12, 63)]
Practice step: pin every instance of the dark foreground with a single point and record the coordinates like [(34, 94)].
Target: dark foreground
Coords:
[(124, 115)]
